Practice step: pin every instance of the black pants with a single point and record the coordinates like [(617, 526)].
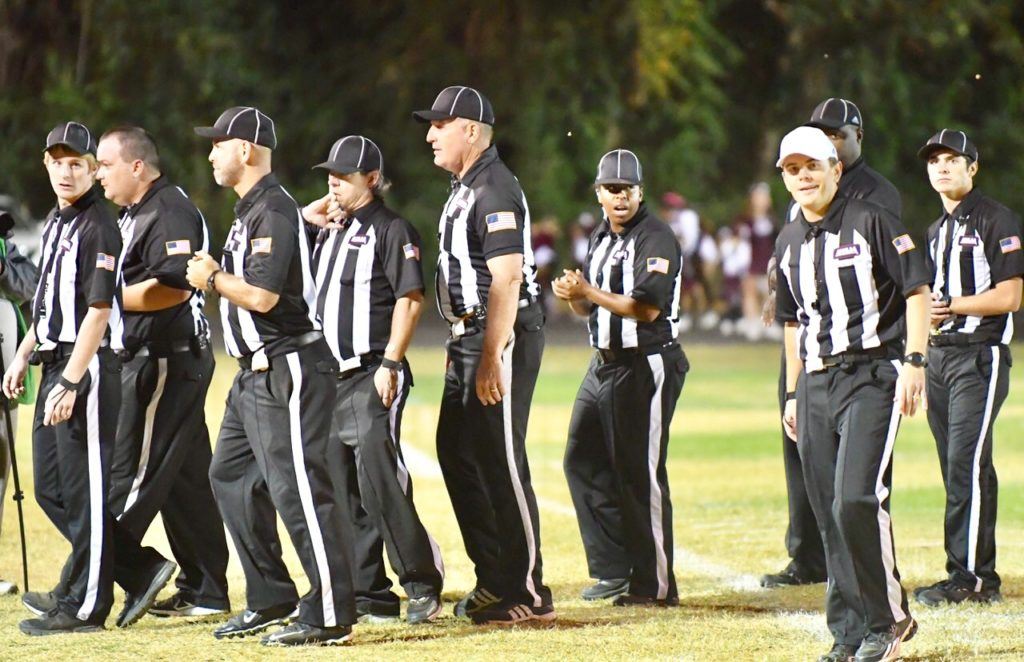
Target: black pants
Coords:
[(271, 458), (482, 453), (846, 427), (966, 388), (162, 464), (71, 468), (370, 475), (615, 466), (803, 537)]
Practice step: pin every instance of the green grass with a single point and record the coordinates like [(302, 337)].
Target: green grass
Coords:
[(728, 492)]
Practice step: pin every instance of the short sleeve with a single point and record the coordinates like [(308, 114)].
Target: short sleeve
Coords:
[(400, 256), (786, 309), (655, 267), (98, 253), (273, 244), (899, 255), (169, 245), (1003, 247), (499, 223)]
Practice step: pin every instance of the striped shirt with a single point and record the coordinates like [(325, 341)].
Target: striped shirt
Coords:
[(970, 251), (845, 280), (486, 216), (78, 269), (361, 270), (160, 233), (643, 262), (267, 246)]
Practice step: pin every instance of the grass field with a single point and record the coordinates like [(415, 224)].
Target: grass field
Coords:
[(729, 497)]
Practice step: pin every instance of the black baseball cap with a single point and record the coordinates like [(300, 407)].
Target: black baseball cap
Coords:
[(73, 135), (458, 101), (353, 154), (619, 166), (835, 113), (244, 123), (951, 139)]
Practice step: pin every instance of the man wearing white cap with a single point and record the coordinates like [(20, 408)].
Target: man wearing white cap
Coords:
[(850, 281)]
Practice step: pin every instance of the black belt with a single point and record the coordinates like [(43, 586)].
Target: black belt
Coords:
[(471, 324), (294, 343), (60, 352), (629, 353), (853, 358), (366, 361), (957, 340), (166, 349)]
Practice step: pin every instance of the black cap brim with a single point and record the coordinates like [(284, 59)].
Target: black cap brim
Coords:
[(336, 167), (427, 116), (211, 132), (827, 125), (77, 149), (926, 152), (620, 181)]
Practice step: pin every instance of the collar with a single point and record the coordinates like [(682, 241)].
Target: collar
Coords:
[(243, 206), (639, 217), (91, 197), (831, 223), (367, 211), (489, 156), (962, 212), (157, 184)]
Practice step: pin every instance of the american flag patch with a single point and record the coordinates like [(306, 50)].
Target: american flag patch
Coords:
[(104, 261), (412, 251), (658, 264), (261, 244), (501, 220), (903, 243), (1009, 244), (179, 247)]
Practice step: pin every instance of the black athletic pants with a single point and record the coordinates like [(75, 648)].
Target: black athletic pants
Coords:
[(162, 464), (846, 428), (615, 466), (71, 468), (368, 470), (482, 453), (271, 458), (966, 388)]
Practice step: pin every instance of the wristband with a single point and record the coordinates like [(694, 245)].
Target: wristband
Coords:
[(390, 365), (790, 395), (69, 386), (210, 281)]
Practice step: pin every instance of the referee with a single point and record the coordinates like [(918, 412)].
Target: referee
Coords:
[(977, 264), (75, 319), (853, 293), (162, 455), (618, 434), (272, 451), (369, 296), (487, 291), (843, 122)]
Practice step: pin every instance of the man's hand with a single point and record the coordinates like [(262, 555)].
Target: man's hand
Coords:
[(489, 389), (323, 212), (60, 402), (199, 269), (385, 380), (789, 419), (940, 311), (14, 378), (910, 390)]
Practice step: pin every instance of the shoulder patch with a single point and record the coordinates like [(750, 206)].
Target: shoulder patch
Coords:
[(657, 264), (104, 261), (1009, 244), (903, 243), (412, 251), (261, 244), (501, 220), (179, 247)]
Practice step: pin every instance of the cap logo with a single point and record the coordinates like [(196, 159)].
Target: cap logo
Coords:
[(855, 120)]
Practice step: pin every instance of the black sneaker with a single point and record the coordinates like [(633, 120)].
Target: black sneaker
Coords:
[(885, 646), (953, 593), (136, 606), (605, 588), (474, 601), (57, 622), (840, 653), (423, 609), (250, 622), (630, 600), (38, 603), (505, 613), (303, 634), (180, 604), (791, 576)]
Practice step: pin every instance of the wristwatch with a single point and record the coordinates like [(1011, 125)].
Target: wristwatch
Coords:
[(916, 359)]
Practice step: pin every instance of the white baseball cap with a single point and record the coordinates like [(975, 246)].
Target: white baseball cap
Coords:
[(808, 141)]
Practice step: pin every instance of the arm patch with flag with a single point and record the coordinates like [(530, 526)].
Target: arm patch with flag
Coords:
[(104, 261), (501, 220), (179, 247), (903, 243), (412, 251), (261, 244), (658, 264), (1009, 244)]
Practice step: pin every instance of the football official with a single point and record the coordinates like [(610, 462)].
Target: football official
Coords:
[(369, 296), (74, 334), (271, 456), (487, 292), (162, 455), (976, 263), (618, 435), (853, 293)]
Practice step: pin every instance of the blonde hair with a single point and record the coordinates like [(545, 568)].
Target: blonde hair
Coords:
[(60, 151)]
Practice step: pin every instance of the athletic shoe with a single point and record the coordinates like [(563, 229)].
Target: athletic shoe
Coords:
[(605, 588), (423, 609), (181, 605), (57, 622), (302, 634), (8, 588), (250, 622), (38, 603), (791, 576), (506, 613), (136, 606), (885, 646), (630, 600), (953, 593), (474, 601), (839, 653)]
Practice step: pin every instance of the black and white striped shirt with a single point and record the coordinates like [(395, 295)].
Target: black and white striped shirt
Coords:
[(845, 280), (643, 262), (486, 216), (78, 269), (160, 233), (970, 251), (268, 247), (361, 270)]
